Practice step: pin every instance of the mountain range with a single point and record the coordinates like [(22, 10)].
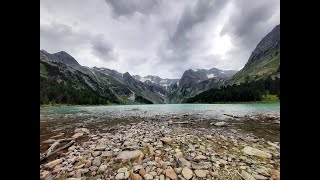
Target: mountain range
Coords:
[(61, 75)]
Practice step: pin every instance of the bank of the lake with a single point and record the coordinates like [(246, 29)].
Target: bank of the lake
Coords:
[(177, 141)]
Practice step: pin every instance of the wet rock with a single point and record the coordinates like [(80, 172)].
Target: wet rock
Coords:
[(129, 154), (200, 173), (256, 152), (187, 173)]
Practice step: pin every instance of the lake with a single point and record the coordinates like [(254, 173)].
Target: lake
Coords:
[(205, 110)]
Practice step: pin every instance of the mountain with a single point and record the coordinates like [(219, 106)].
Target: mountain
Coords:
[(64, 80), (61, 75), (194, 81), (264, 60), (155, 80)]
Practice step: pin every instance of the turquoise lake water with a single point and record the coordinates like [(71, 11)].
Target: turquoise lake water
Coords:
[(165, 109)]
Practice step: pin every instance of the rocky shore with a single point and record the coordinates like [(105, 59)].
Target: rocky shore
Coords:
[(166, 148)]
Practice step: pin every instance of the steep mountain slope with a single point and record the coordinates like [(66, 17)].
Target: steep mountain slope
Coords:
[(196, 81), (155, 80), (108, 85), (264, 60)]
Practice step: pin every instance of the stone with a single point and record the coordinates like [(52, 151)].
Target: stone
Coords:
[(200, 173), (122, 170), (167, 140), (187, 173), (178, 170), (96, 161), (136, 168), (256, 152), (275, 175), (96, 153), (135, 176), (129, 154), (78, 173), (77, 135), (223, 161), (101, 147), (214, 173), (247, 176), (162, 177), (93, 168), (53, 163), (257, 176), (273, 145), (49, 141), (102, 168), (44, 174), (220, 124), (263, 170), (106, 153), (82, 130), (171, 174), (148, 177), (153, 173), (200, 157), (120, 176), (142, 172)]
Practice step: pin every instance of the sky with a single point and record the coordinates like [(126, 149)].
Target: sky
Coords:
[(157, 37)]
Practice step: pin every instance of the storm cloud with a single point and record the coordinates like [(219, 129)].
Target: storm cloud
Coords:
[(157, 37)]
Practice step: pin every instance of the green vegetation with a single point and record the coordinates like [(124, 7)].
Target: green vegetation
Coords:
[(53, 92), (267, 66), (43, 70), (143, 100), (264, 91)]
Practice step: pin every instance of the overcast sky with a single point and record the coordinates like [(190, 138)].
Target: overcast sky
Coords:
[(157, 37)]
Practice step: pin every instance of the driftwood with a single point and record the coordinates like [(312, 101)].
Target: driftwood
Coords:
[(53, 149)]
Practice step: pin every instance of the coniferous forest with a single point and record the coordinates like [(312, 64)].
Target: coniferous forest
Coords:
[(249, 91)]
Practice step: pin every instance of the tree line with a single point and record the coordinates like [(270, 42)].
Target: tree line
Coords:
[(53, 92), (248, 91)]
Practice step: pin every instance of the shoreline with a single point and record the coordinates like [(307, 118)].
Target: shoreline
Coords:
[(168, 146)]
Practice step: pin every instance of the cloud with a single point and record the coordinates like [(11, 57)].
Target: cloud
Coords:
[(127, 8), (157, 37)]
